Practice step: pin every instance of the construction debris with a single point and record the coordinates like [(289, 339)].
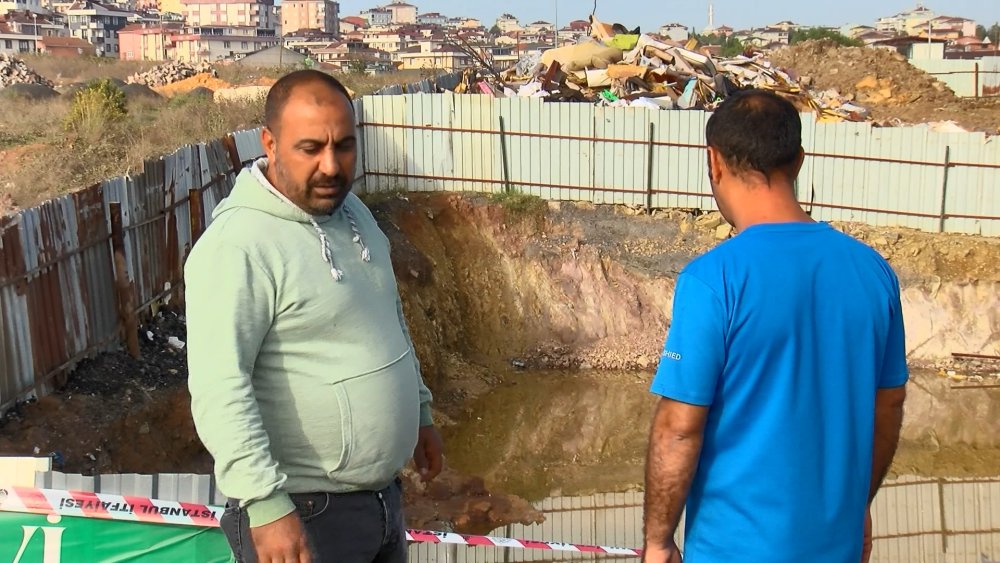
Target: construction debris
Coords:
[(169, 73), (14, 71), (621, 68)]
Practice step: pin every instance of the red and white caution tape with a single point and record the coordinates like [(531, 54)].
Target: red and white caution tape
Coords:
[(140, 509), (107, 506), (487, 541)]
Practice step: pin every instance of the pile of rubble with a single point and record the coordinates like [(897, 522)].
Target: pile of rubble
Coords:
[(632, 69), (169, 73), (14, 71)]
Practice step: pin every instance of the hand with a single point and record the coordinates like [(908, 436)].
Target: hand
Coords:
[(866, 545), (281, 541), (661, 554), (429, 453)]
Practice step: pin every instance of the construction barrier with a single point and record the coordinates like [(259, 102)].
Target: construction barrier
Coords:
[(48, 526)]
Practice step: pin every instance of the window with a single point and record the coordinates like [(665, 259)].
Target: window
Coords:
[(23, 46), (129, 55), (225, 44), (116, 48), (8, 44)]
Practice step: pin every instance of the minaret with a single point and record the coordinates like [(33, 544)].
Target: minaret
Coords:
[(711, 16)]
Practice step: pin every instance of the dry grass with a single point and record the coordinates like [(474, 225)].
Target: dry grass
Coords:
[(67, 70), (60, 162), (40, 159)]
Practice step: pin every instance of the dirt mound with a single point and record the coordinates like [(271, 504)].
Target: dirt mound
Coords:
[(859, 70), (201, 80), (32, 92), (896, 91), (135, 92)]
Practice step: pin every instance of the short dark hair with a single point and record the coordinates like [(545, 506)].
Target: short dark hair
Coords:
[(277, 96), (756, 130)]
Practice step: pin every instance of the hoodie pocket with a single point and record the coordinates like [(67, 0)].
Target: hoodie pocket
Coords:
[(346, 427)]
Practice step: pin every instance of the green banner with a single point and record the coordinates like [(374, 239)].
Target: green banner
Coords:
[(34, 538)]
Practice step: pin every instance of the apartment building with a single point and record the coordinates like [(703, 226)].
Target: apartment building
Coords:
[(97, 24), (213, 44), (14, 43), (323, 15), (33, 6), (257, 14), (146, 42), (402, 13)]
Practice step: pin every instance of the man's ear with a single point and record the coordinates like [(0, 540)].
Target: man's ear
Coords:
[(798, 163), (715, 165), (270, 143)]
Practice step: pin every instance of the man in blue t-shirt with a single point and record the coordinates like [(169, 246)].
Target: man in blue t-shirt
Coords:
[(782, 379)]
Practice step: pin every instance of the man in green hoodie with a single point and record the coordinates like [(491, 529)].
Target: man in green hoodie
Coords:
[(304, 383)]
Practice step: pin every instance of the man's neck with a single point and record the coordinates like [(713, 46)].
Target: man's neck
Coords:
[(763, 205)]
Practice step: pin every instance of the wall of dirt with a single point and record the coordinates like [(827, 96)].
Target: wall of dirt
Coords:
[(578, 286)]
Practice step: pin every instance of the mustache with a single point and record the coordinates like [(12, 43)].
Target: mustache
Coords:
[(338, 182)]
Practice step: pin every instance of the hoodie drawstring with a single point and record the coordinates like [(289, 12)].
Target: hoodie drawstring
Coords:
[(324, 243), (326, 252)]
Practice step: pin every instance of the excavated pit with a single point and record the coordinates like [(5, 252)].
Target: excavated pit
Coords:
[(579, 296)]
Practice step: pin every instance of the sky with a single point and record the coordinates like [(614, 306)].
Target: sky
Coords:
[(651, 14)]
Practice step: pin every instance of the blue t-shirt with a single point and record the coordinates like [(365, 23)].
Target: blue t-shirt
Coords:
[(785, 332)]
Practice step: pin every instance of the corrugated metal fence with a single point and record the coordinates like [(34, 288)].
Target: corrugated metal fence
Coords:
[(76, 271), (915, 519), (905, 176), (73, 269)]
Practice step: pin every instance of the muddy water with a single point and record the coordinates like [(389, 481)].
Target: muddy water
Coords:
[(551, 433), (545, 433)]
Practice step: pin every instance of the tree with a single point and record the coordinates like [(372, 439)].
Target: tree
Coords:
[(980, 32), (994, 33), (800, 35), (495, 30), (732, 47)]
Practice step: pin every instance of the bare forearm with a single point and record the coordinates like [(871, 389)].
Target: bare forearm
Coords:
[(670, 466), (888, 421)]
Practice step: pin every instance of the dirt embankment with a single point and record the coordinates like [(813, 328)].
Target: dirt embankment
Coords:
[(486, 287), (584, 286), (896, 91)]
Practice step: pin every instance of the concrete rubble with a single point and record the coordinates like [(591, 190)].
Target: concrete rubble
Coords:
[(169, 73), (14, 71), (638, 70)]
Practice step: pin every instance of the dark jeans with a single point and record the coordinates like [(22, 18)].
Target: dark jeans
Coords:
[(361, 527)]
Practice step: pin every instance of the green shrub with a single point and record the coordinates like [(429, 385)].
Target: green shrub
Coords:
[(96, 109), (519, 203)]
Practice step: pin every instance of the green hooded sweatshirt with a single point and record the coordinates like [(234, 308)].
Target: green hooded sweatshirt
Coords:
[(303, 376)]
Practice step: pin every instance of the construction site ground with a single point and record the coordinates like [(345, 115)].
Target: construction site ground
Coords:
[(488, 286)]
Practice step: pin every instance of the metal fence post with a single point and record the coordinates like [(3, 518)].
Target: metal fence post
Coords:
[(944, 524), (197, 214), (944, 188), (128, 320), (503, 156), (649, 171)]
